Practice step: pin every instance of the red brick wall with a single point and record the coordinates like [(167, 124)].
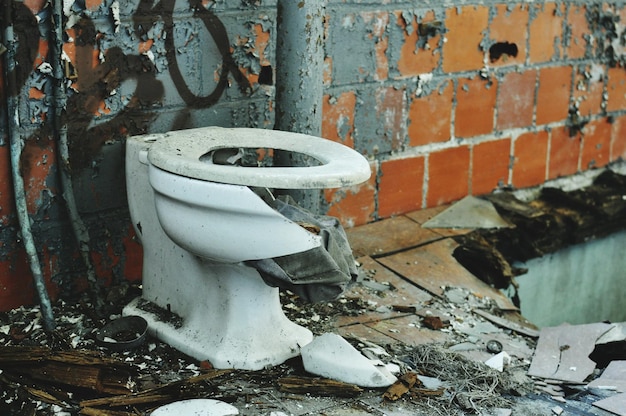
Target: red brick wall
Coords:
[(552, 104)]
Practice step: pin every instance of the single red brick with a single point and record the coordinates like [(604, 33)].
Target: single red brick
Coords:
[(553, 94), (391, 109), (36, 173), (530, 159), (448, 175), (462, 50), (509, 31), (413, 60), (596, 144), (490, 165), (338, 117), (588, 90), (400, 186), (516, 100), (564, 153), (133, 256), (546, 31), (616, 89), (378, 22), (16, 285), (327, 76), (618, 139), (430, 116), (579, 29), (353, 205), (475, 103)]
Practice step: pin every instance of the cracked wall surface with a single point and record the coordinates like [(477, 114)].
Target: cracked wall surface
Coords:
[(444, 99)]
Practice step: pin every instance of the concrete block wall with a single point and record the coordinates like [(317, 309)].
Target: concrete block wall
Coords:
[(445, 99), (466, 97)]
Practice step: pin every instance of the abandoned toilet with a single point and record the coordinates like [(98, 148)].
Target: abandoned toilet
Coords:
[(201, 221)]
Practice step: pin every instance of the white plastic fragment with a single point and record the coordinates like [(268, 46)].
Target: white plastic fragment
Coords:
[(499, 360), (430, 383), (331, 356), (196, 407)]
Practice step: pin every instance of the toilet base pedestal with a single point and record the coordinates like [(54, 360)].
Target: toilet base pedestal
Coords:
[(234, 322)]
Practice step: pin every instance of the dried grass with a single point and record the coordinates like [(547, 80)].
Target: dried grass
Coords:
[(471, 385)]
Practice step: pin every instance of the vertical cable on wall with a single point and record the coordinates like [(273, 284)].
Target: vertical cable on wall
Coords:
[(81, 234), (16, 146)]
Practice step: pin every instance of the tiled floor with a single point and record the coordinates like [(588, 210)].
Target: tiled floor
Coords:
[(417, 266)]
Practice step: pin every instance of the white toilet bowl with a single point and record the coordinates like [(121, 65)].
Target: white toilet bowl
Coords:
[(198, 221)]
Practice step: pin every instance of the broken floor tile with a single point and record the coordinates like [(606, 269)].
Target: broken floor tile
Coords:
[(361, 331), (388, 236), (614, 377), (424, 215), (331, 356), (383, 304), (469, 212), (407, 330), (562, 352), (432, 267), (614, 404), (506, 323)]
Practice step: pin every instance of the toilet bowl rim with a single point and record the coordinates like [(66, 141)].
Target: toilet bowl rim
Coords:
[(180, 152)]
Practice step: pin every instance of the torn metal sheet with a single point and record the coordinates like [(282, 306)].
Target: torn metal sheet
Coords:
[(562, 352), (613, 377), (469, 212), (614, 404)]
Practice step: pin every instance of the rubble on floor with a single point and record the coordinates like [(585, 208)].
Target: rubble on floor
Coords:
[(456, 343)]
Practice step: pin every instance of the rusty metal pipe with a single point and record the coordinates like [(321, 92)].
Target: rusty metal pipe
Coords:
[(299, 79)]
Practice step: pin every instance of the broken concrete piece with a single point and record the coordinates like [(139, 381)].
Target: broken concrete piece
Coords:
[(562, 352), (331, 356), (614, 404), (469, 212), (613, 377), (198, 407)]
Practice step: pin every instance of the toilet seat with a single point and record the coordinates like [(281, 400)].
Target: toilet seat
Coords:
[(180, 152)]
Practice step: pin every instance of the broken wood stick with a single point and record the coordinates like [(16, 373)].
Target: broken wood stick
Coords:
[(318, 386), (158, 394)]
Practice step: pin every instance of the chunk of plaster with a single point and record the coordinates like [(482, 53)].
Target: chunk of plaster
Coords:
[(198, 407), (331, 356)]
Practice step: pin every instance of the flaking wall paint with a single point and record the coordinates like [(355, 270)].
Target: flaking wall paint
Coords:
[(445, 99)]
